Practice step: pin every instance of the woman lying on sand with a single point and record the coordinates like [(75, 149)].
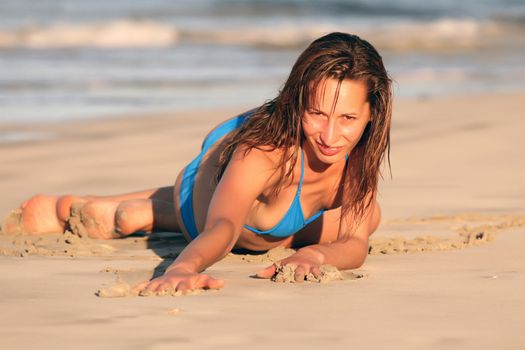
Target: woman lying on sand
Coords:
[(299, 171)]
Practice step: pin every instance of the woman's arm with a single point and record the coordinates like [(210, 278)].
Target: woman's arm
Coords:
[(245, 177), (185, 272), (347, 252), (351, 249)]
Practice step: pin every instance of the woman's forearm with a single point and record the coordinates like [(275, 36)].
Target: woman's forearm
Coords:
[(207, 248), (345, 254)]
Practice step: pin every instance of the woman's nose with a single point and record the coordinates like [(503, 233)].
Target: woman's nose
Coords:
[(329, 133)]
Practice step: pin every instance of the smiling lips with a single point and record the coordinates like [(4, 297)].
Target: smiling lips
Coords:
[(328, 151)]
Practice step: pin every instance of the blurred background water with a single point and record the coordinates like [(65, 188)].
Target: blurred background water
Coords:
[(71, 59)]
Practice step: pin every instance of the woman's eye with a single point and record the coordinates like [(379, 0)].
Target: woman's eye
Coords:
[(349, 117)]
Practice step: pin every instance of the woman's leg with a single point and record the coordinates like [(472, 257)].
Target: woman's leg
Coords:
[(146, 215), (106, 219), (162, 193), (43, 214), (64, 202)]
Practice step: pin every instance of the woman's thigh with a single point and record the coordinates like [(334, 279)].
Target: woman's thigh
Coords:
[(176, 205)]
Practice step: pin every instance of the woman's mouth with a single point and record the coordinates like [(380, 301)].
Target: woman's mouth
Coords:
[(328, 151)]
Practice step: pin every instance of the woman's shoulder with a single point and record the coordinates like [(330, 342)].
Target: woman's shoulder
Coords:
[(265, 161), (268, 156)]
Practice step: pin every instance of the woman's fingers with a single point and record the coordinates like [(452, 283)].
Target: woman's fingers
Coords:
[(165, 286), (152, 286), (145, 287), (214, 283), (316, 271), (183, 284), (206, 282), (300, 264), (199, 282), (267, 272), (192, 283), (140, 287), (300, 273)]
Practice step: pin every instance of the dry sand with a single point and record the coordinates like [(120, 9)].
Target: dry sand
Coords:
[(446, 268)]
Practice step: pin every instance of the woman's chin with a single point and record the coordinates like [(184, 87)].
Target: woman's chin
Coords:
[(331, 158)]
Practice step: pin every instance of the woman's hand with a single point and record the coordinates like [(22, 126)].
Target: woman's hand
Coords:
[(178, 280), (304, 261)]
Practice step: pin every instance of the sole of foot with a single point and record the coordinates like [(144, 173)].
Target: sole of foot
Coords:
[(37, 215), (94, 219)]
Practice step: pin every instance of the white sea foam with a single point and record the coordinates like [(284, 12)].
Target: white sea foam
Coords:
[(444, 34), (441, 34), (22, 136), (431, 75), (277, 36), (114, 34)]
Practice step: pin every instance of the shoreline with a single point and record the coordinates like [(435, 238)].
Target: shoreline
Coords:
[(210, 111)]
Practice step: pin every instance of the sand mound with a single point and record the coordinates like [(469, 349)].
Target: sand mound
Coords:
[(286, 274), (469, 230), (12, 223)]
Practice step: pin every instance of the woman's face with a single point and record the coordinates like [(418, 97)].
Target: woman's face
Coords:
[(332, 131)]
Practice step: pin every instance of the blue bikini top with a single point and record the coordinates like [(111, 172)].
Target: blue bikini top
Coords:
[(294, 219)]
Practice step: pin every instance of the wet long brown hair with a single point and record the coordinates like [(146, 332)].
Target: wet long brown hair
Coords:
[(277, 123)]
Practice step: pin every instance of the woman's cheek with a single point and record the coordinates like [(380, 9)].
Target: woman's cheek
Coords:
[(313, 125)]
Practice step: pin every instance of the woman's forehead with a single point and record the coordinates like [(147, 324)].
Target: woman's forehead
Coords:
[(331, 93)]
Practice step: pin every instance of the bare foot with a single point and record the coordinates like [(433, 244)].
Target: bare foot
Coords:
[(37, 215), (106, 219), (94, 219)]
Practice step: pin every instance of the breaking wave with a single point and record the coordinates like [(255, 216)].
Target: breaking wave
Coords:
[(115, 34), (442, 34)]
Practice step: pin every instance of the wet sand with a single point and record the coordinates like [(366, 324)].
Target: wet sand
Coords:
[(446, 268)]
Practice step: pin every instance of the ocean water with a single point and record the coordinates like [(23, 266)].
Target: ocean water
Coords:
[(70, 59)]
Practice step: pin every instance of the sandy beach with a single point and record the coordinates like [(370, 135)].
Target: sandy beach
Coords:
[(446, 268)]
